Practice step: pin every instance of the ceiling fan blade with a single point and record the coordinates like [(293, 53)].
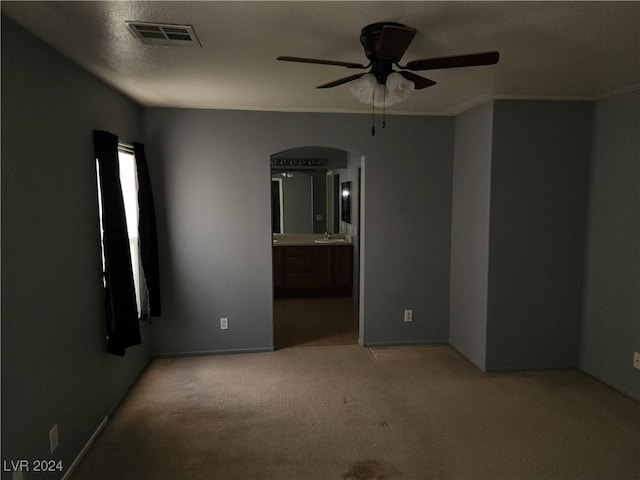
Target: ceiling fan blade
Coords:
[(418, 81), (394, 41), (472, 60), (340, 81), (320, 62)]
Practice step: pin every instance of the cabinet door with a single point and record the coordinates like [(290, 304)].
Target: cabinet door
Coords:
[(323, 260), (277, 267), (297, 268), (343, 266)]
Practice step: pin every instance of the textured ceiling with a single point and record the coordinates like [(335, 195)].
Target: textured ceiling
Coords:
[(548, 50)]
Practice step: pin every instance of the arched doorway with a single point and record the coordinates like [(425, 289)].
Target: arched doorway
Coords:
[(316, 226)]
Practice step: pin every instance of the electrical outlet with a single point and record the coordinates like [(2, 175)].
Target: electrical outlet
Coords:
[(54, 441), (408, 315), (636, 360), (224, 323)]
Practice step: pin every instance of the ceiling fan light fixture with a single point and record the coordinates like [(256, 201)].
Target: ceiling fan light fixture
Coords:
[(398, 88), (364, 87), (368, 90)]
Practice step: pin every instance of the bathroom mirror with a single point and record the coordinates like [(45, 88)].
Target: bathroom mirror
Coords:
[(292, 202), (305, 190)]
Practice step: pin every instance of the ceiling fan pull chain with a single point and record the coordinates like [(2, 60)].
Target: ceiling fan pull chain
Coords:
[(384, 104), (373, 113)]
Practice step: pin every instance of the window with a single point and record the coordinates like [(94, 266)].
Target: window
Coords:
[(129, 243), (129, 185)]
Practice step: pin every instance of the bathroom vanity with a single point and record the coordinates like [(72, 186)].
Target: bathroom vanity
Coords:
[(312, 265)]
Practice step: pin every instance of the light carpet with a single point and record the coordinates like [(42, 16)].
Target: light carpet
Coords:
[(352, 413)]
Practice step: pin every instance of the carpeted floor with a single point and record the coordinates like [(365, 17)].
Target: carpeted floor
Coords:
[(351, 413)]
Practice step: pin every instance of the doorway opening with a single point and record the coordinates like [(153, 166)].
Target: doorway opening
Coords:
[(316, 197)]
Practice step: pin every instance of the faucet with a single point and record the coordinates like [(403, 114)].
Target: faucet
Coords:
[(327, 235)]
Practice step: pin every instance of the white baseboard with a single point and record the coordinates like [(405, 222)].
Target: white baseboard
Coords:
[(86, 447)]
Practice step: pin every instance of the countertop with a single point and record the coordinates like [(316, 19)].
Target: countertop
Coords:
[(309, 239)]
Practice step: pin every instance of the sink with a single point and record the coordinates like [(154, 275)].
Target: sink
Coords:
[(330, 240)]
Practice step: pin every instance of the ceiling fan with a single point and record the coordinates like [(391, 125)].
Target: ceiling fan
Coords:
[(384, 45)]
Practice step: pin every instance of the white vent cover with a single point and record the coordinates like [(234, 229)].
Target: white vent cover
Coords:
[(164, 33)]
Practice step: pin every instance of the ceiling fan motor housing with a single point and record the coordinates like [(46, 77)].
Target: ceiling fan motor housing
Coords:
[(370, 37), (370, 40)]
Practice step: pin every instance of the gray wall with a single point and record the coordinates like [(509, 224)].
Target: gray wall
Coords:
[(211, 175), (611, 320), (470, 233), (539, 181), (54, 366)]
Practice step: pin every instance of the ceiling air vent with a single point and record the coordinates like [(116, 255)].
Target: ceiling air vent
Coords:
[(164, 33)]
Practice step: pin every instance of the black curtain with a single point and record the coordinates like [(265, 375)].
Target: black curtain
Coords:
[(123, 329), (147, 231)]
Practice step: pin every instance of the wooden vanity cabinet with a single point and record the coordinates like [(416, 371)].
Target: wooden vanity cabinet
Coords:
[(314, 270)]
